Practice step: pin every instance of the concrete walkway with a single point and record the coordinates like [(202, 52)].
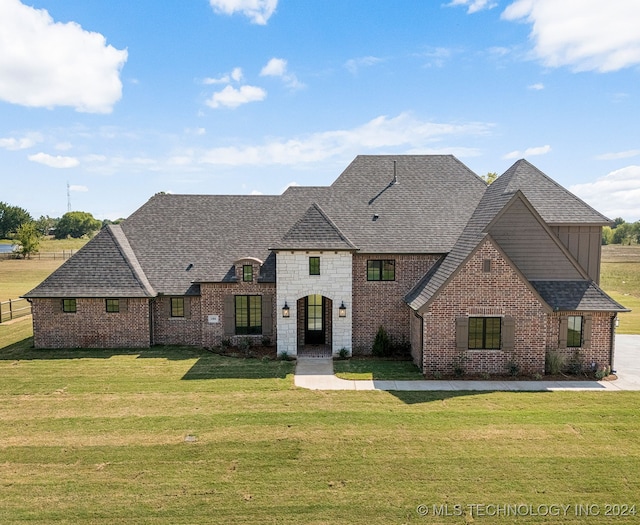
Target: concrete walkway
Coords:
[(317, 374)]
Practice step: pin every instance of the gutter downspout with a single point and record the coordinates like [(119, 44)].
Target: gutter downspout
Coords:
[(612, 345)]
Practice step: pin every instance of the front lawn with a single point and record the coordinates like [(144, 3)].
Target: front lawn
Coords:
[(379, 369), (180, 436)]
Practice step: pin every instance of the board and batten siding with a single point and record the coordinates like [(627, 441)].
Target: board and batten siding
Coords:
[(585, 244), (530, 246)]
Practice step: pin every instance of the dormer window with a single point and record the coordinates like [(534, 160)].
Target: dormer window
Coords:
[(247, 273)]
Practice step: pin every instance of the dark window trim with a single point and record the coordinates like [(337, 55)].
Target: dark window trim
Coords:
[(112, 306), (378, 269), (69, 306), (314, 265), (247, 273), (253, 315), (485, 333), (574, 337), (176, 306)]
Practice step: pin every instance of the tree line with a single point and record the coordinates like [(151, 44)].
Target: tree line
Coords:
[(621, 232), (18, 225)]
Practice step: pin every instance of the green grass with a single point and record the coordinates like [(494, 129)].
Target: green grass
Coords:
[(620, 278), (176, 435), (379, 369)]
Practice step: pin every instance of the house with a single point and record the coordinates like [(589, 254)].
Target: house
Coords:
[(489, 276)]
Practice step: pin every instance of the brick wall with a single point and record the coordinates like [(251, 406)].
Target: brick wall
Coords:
[(91, 326), (169, 330), (474, 292), (381, 303), (212, 303), (597, 351)]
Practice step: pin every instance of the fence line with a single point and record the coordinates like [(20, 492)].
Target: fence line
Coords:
[(63, 255), (13, 309)]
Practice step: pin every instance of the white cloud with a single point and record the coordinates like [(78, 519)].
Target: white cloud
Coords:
[(28, 141), (473, 6), (619, 155), (277, 67), (76, 187), (381, 133), (536, 87), (57, 161), (235, 75), (617, 194), (529, 152), (231, 97), (45, 63), (258, 11), (437, 56), (589, 35), (355, 64)]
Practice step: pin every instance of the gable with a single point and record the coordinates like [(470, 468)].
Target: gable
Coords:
[(104, 267), (314, 230), (536, 253)]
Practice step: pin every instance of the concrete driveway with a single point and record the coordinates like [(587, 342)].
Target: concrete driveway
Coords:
[(626, 362)]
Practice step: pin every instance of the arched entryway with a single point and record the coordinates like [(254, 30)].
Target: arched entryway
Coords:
[(315, 325)]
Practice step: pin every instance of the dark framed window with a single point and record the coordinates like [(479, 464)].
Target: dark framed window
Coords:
[(69, 306), (247, 273), (177, 307), (314, 265), (112, 305), (381, 270), (248, 314), (484, 333), (486, 265), (574, 331)]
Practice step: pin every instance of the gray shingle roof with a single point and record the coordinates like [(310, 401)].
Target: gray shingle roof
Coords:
[(314, 230), (523, 181), (105, 267), (173, 242), (576, 295), (555, 204)]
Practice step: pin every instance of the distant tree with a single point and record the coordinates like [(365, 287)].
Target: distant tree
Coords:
[(607, 235), (45, 224), (11, 218), (490, 177), (617, 222), (623, 233), (27, 238), (105, 222), (76, 224)]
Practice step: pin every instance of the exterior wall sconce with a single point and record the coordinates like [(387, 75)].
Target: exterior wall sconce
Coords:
[(285, 310), (342, 311)]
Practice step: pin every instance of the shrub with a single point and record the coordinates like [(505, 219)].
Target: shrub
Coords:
[(514, 368), (382, 343), (553, 363), (458, 364), (343, 353), (575, 364), (284, 356), (266, 341), (401, 348)]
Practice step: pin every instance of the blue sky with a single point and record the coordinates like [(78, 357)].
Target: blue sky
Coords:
[(121, 99)]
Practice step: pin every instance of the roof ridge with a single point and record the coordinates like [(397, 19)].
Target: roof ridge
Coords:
[(121, 241)]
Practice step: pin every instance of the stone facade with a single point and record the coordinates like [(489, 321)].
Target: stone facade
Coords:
[(476, 292), (381, 303), (91, 326), (295, 283)]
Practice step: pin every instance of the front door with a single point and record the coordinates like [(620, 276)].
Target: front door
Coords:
[(314, 327)]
